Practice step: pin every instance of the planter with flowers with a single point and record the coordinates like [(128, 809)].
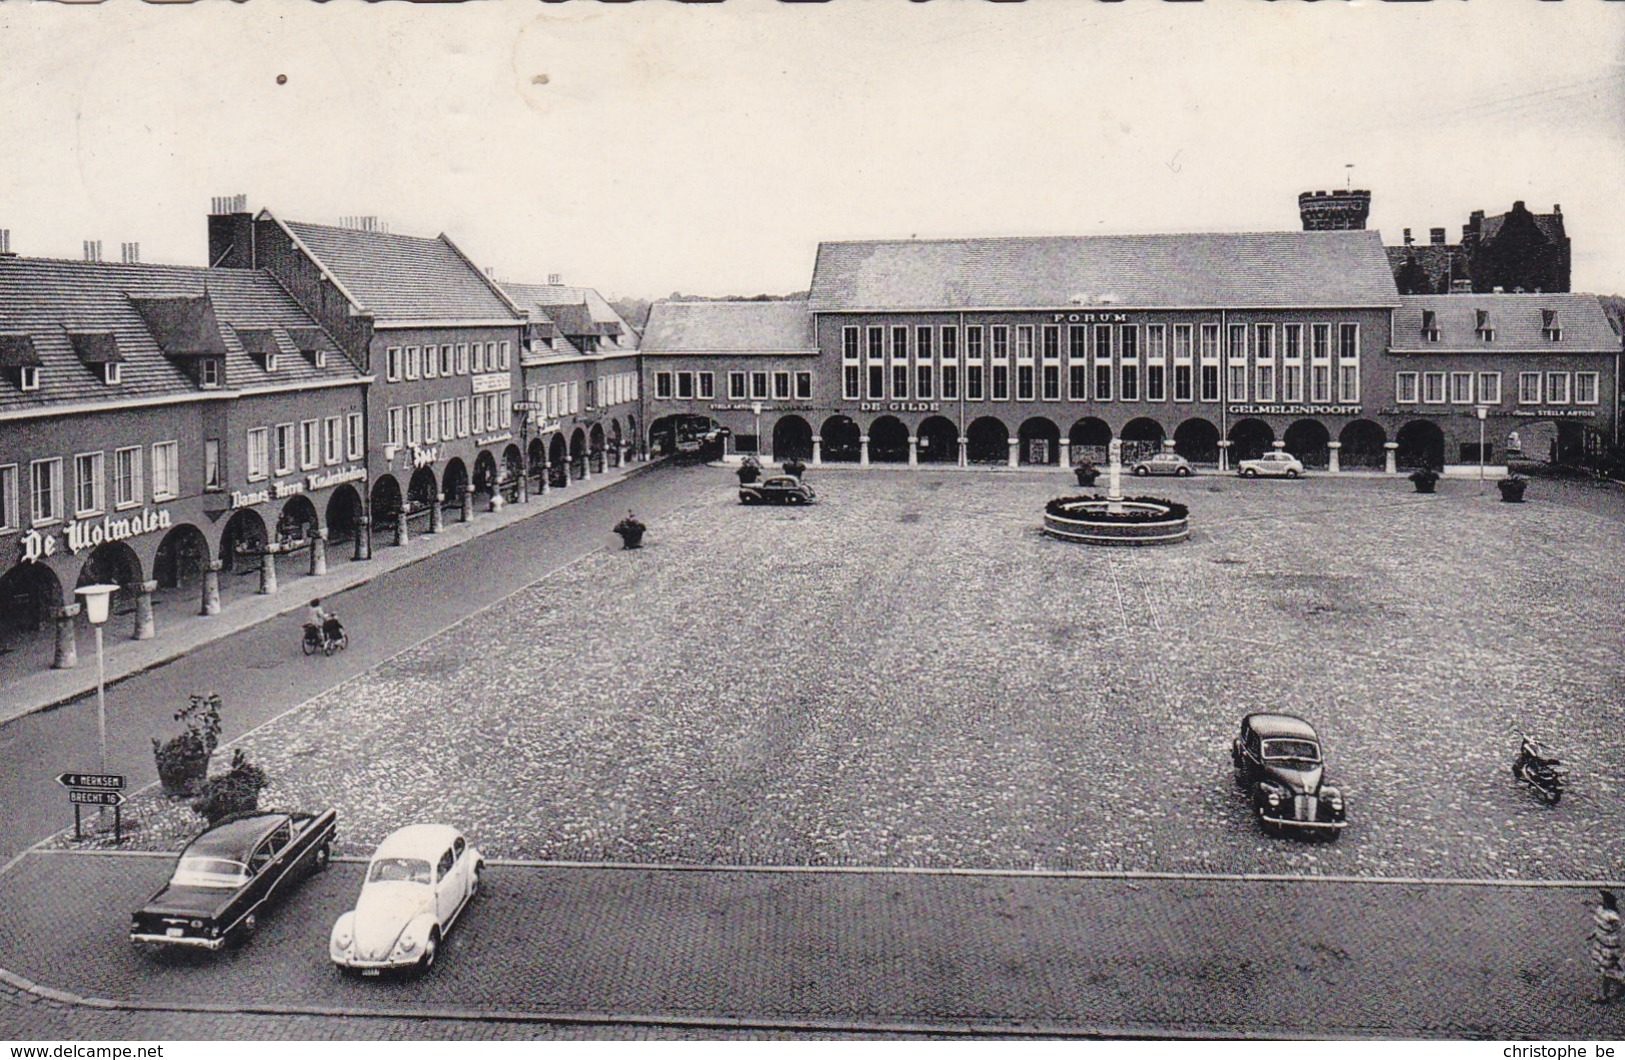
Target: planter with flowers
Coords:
[(1512, 488), (1425, 479), (631, 530), (183, 761)]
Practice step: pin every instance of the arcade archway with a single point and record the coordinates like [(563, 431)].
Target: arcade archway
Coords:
[(1421, 444), (1040, 442), (988, 441), (939, 441), (840, 440), (792, 439), (1362, 446), (1197, 440), (1250, 439), (1307, 440), (888, 441), (243, 542)]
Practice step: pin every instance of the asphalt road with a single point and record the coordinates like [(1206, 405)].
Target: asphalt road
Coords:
[(260, 672)]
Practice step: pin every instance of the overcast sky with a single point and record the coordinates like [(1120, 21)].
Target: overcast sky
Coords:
[(650, 147)]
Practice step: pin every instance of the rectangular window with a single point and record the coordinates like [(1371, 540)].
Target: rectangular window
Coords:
[(877, 382), (850, 383), (877, 344), (213, 473), (1349, 383), (1405, 388), (488, 355), (1557, 388), (431, 422), (10, 517), (397, 426), (1320, 384), (1238, 342), (1077, 381), (1529, 388), (1077, 342), (1292, 383), (332, 440), (462, 358), (282, 448), (1182, 344), (1348, 342), (392, 364), (1489, 388), (899, 343), (922, 382), (208, 373), (1266, 383), (310, 452), (1210, 382), (758, 385), (414, 424), (804, 385), (463, 415), (950, 344), (781, 386), (1130, 388), (707, 384), (950, 381), (1156, 384), (1024, 343), (973, 382), (1292, 339), (166, 471), (1103, 381), (1238, 382), (1024, 379), (1210, 342), (922, 343), (1103, 342), (1156, 342), (849, 343), (411, 361), (448, 418), (445, 360), (259, 453), (736, 382), (127, 484), (1433, 388), (1182, 378), (1128, 342), (685, 386), (89, 484), (973, 343), (431, 362), (1264, 342), (502, 356), (1461, 388), (1320, 337), (662, 384), (476, 418), (1001, 381), (1586, 388), (1052, 342), (899, 381), (45, 490), (1052, 381)]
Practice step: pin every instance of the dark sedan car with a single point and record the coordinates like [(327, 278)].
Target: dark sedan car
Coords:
[(1277, 759), (228, 875), (779, 489)]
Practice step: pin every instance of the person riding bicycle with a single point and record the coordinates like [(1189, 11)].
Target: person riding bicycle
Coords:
[(326, 621)]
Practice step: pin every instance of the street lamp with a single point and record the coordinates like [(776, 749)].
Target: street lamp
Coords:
[(1482, 412), (756, 410), (96, 599)]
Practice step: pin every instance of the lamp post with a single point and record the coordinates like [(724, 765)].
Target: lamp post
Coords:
[(96, 599), (756, 410), (1482, 412)]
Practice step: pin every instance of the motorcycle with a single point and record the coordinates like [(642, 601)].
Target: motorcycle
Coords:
[(326, 639), (1536, 767)]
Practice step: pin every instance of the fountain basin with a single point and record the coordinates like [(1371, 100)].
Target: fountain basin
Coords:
[(1140, 521)]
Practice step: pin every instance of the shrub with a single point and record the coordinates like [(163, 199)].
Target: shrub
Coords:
[(236, 791), (183, 762)]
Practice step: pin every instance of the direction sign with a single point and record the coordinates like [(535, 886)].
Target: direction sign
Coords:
[(95, 781), (95, 798)]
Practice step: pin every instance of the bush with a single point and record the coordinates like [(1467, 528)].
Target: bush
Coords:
[(1175, 510), (237, 791), (183, 762)]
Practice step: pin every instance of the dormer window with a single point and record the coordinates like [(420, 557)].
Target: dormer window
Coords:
[(110, 373), (319, 358), (20, 361), (208, 372), (270, 362), (1482, 328), (1430, 325), (313, 343), (28, 377), (1549, 328)]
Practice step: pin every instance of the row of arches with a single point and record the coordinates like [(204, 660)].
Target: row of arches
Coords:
[(1038, 440)]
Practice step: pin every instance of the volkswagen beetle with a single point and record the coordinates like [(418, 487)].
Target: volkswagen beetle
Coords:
[(419, 881), (1277, 759)]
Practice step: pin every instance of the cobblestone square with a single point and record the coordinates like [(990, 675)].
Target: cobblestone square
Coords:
[(909, 674)]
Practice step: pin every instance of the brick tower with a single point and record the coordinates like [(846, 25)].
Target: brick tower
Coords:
[(1334, 211)]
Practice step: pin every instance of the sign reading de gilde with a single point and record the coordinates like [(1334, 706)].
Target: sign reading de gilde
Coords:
[(80, 534), (899, 406)]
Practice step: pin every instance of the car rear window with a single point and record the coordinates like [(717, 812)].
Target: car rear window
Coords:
[(1303, 750)]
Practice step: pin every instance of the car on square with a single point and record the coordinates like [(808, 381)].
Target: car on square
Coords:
[(1281, 464), (1278, 761), (229, 874), (777, 489), (418, 882), (1162, 464)]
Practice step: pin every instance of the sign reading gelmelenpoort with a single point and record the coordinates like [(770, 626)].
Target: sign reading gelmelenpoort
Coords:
[(322, 480), (1089, 318), (80, 534), (899, 406), (490, 382), (1295, 410)]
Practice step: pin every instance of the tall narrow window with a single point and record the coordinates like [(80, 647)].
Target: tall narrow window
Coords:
[(166, 471), (45, 490), (127, 484), (10, 517), (89, 484), (259, 449)]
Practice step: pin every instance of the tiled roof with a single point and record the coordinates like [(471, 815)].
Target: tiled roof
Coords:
[(183, 327), (50, 301), (1518, 320), (729, 327), (17, 351), (96, 347), (406, 278), (549, 298), (1202, 270)]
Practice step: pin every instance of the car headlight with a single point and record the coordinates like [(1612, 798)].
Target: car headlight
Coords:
[(405, 947), (343, 940), (1274, 798)]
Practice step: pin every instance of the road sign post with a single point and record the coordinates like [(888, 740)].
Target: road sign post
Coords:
[(95, 789)]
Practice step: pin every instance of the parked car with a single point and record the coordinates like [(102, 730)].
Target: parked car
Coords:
[(419, 881), (1163, 464), (1277, 759), (1278, 463), (230, 873), (777, 489)]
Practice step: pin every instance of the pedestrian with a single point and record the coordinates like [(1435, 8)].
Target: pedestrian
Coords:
[(1605, 948)]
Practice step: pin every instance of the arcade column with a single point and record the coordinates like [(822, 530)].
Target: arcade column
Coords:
[(268, 570), (467, 514), (547, 473), (318, 553), (67, 647), (143, 609), (818, 451), (1064, 452), (1390, 458), (437, 513), (211, 586), (363, 537), (1015, 452), (863, 450), (964, 451), (403, 533), (1224, 454), (913, 451), (1332, 464)]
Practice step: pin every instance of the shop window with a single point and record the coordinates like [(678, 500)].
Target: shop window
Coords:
[(1470, 452)]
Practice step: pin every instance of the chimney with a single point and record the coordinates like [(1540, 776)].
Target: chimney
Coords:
[(93, 250), (5, 243), (131, 252), (1557, 208), (1408, 239), (554, 279), (231, 233), (1436, 236)]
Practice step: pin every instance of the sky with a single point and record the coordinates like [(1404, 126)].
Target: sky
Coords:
[(652, 147)]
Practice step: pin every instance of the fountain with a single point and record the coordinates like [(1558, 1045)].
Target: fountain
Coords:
[(1116, 520)]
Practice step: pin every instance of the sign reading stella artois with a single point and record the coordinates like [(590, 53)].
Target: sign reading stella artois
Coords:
[(80, 534)]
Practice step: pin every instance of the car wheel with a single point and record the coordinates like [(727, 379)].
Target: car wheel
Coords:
[(474, 884), (1141, 472), (431, 949), (1183, 472), (243, 932), (1333, 834), (1248, 472), (323, 858), (1293, 473), (308, 646)]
